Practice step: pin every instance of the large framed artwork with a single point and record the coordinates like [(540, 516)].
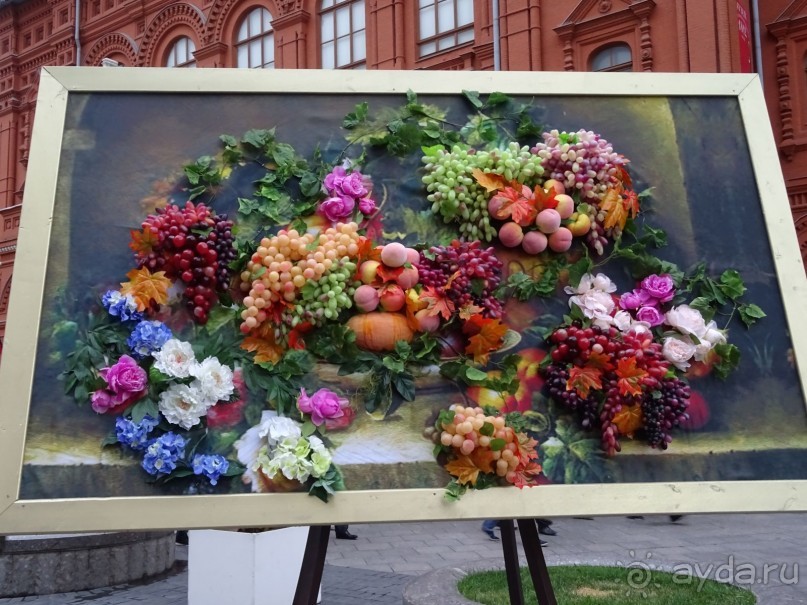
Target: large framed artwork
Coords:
[(257, 298)]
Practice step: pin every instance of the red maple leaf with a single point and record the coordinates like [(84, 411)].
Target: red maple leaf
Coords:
[(584, 379), (388, 274), (545, 199), (526, 475), (518, 205), (624, 177), (601, 361), (439, 303), (630, 377), (143, 242), (631, 202)]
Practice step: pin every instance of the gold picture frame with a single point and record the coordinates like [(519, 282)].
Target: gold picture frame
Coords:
[(56, 86)]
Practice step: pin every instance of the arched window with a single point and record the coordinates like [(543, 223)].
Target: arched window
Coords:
[(343, 39), (443, 24), (181, 53), (616, 57), (255, 43)]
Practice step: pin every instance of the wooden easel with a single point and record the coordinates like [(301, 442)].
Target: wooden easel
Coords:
[(317, 546)]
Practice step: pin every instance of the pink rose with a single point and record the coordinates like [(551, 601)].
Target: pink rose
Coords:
[(322, 405), (336, 208), (125, 376), (367, 206), (104, 401), (650, 315), (353, 185), (634, 300), (334, 180), (660, 287)]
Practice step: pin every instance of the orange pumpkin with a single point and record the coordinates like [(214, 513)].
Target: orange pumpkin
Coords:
[(380, 331)]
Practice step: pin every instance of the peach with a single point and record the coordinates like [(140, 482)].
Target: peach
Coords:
[(565, 205), (511, 234), (548, 220), (426, 322), (368, 272), (580, 224), (392, 298), (556, 185), (408, 277), (561, 240), (394, 255), (534, 242), (412, 257), (366, 298)]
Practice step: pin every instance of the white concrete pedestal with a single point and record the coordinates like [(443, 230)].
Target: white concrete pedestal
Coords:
[(245, 568)]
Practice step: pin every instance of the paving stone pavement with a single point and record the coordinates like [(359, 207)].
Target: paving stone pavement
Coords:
[(765, 552)]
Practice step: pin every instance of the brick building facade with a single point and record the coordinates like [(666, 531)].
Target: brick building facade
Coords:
[(550, 35)]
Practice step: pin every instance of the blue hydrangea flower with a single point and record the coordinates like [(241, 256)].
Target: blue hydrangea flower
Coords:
[(163, 453), (134, 435), (211, 466), (148, 337), (121, 306)]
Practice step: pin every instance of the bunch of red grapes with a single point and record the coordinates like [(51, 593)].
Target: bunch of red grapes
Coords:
[(193, 245), (468, 273), (663, 398)]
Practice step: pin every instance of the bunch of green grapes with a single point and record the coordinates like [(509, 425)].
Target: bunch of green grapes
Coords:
[(457, 196)]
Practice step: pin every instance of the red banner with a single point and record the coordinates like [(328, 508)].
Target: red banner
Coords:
[(744, 31)]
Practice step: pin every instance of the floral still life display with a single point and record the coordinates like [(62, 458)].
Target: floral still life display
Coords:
[(205, 357)]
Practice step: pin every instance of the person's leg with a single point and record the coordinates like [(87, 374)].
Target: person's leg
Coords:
[(488, 526), (343, 534)]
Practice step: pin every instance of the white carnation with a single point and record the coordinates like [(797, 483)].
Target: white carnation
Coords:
[(678, 350), (215, 380), (175, 358), (183, 405), (595, 304), (590, 282)]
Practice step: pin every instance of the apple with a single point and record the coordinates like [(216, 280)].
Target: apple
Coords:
[(580, 224), (392, 298), (368, 272), (698, 411), (426, 322)]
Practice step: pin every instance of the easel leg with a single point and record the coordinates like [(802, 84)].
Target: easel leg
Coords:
[(535, 559), (511, 566), (313, 563)]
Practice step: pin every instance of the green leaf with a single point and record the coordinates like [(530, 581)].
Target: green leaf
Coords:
[(229, 140), (729, 360), (497, 98), (356, 117), (454, 491), (144, 407), (750, 313), (403, 349), (487, 429), (579, 269), (404, 383), (392, 364), (472, 373), (156, 377), (258, 138), (497, 444), (473, 98), (731, 284), (445, 418), (308, 428)]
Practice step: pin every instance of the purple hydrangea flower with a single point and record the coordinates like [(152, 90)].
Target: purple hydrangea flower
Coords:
[(148, 337), (134, 435), (211, 466)]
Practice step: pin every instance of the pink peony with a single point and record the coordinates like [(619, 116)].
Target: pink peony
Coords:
[(125, 376), (336, 208), (650, 315), (367, 206), (660, 287), (104, 401), (634, 300), (322, 405), (334, 180), (353, 185)]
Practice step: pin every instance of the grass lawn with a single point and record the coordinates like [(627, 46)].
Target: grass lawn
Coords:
[(589, 585)]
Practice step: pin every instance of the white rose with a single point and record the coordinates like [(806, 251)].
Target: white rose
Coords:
[(215, 380), (175, 358), (595, 304), (247, 448), (603, 283), (182, 405), (678, 350), (686, 320), (622, 321), (590, 282)]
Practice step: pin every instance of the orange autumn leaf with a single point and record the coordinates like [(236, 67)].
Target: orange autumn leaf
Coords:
[(464, 469), (266, 351), (483, 458), (526, 475), (143, 242), (518, 205), (601, 361), (388, 274), (145, 286), (630, 377), (367, 251), (624, 177), (489, 338), (632, 203), (490, 181), (584, 379), (439, 303), (470, 310), (629, 420), (615, 211), (545, 199), (526, 447)]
